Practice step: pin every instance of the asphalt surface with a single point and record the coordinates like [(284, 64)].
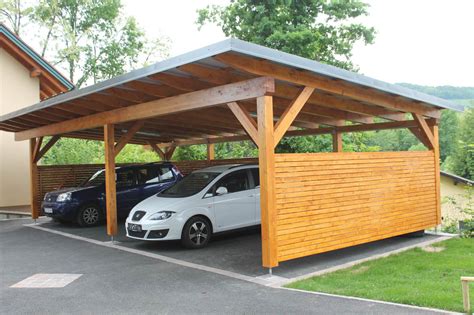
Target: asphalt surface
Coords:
[(241, 251), (119, 282)]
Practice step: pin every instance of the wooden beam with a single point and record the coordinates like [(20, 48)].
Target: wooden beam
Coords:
[(266, 160), (34, 190), (46, 147), (337, 141), (190, 101), (290, 113), (243, 116), (307, 132), (420, 135), (169, 152), (37, 148), (128, 136), (158, 151), (220, 76), (35, 73), (210, 151), (306, 78), (110, 183), (425, 130), (435, 131)]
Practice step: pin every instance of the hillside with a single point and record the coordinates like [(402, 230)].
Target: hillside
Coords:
[(461, 95)]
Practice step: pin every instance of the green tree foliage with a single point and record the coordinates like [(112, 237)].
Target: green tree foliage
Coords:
[(462, 162), (92, 39), (317, 29)]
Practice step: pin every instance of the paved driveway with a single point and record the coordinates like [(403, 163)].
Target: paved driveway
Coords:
[(115, 281)]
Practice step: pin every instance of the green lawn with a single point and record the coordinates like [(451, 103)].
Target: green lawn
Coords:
[(415, 277)]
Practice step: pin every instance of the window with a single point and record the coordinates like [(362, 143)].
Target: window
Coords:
[(151, 175), (125, 178), (256, 176), (234, 182), (190, 185)]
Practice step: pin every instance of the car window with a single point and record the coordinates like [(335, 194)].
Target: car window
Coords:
[(190, 185), (256, 176), (234, 182), (166, 173), (125, 178), (151, 175)]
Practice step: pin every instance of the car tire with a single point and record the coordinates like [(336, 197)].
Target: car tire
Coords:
[(196, 232), (89, 215)]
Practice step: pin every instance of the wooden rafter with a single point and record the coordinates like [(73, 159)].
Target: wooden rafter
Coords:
[(247, 121), (266, 68), (128, 136), (193, 100), (290, 113)]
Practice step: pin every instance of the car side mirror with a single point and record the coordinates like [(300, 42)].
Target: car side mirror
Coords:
[(221, 191)]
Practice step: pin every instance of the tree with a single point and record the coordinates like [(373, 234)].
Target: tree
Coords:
[(14, 12), (462, 162), (448, 133), (94, 40), (317, 29)]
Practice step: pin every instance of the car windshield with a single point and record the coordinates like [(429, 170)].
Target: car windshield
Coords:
[(190, 185), (95, 180)]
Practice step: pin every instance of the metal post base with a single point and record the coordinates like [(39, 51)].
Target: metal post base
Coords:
[(270, 271)]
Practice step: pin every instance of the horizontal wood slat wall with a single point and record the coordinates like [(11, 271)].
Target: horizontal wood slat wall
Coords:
[(327, 201), (51, 177)]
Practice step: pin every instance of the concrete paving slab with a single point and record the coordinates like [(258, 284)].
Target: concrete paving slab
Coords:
[(240, 251), (118, 282)]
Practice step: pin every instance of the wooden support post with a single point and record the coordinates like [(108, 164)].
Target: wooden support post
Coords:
[(110, 185), (266, 158), (35, 207), (435, 133), (210, 152), (337, 141), (465, 293)]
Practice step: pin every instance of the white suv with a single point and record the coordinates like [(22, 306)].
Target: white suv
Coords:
[(211, 200)]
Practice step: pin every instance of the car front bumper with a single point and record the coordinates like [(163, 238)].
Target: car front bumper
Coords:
[(60, 210), (166, 230)]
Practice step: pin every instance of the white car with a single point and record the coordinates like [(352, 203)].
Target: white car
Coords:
[(208, 201)]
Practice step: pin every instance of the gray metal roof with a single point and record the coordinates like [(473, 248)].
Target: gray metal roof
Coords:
[(249, 49)]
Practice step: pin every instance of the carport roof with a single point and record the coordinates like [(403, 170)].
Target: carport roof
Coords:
[(342, 95)]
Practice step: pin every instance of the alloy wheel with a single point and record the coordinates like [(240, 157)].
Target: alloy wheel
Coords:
[(90, 215), (198, 232)]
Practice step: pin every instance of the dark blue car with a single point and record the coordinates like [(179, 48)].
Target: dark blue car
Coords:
[(86, 204)]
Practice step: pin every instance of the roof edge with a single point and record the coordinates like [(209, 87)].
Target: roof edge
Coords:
[(35, 56)]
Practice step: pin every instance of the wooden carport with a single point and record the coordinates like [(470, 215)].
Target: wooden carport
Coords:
[(233, 91)]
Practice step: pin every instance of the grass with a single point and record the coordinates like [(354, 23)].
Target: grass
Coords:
[(429, 277)]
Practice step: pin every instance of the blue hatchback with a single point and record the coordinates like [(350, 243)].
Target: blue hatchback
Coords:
[(86, 204)]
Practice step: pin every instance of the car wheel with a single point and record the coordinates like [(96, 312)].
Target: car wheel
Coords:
[(89, 215), (196, 233)]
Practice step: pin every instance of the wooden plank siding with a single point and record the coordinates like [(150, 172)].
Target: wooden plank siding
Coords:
[(328, 201)]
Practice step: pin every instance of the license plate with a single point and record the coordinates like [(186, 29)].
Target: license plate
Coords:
[(135, 227), (48, 210)]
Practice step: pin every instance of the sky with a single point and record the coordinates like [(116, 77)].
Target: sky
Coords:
[(426, 42)]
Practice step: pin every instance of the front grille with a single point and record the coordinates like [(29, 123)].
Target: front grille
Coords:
[(158, 233), (138, 215), (137, 234)]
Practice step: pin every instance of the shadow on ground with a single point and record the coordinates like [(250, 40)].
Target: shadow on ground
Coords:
[(240, 251)]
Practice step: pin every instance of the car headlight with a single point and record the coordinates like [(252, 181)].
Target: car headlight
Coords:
[(162, 215), (64, 197)]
